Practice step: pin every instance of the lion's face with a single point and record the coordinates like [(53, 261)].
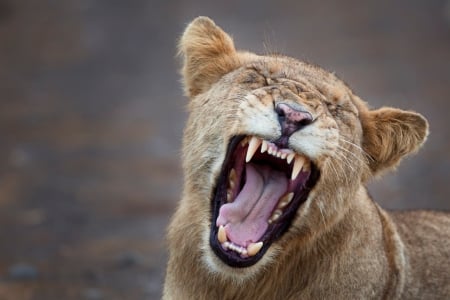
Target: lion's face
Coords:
[(278, 138), (273, 149)]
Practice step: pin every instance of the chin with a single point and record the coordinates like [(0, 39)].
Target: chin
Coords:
[(217, 267)]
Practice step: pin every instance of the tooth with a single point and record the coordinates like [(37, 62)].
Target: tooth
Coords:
[(253, 145), (231, 183), (229, 196), (285, 200), (279, 154), (244, 142), (290, 157), (222, 235), (264, 146), (298, 164), (269, 150), (232, 179), (232, 176), (307, 167), (254, 248), (276, 214), (283, 155)]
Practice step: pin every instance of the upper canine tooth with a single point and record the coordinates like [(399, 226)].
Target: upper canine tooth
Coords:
[(222, 235), (298, 164), (264, 146), (254, 248), (290, 157), (253, 145)]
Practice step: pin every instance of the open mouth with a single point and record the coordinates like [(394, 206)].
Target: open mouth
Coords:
[(258, 192)]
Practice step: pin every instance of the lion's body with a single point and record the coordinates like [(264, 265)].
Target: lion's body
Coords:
[(341, 244), (426, 240)]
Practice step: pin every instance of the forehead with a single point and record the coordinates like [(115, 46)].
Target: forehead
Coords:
[(310, 77)]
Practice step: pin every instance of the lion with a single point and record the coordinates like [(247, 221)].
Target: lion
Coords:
[(276, 156)]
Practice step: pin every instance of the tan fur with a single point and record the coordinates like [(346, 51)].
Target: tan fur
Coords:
[(341, 245)]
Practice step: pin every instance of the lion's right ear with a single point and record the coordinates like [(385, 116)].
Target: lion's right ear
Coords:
[(208, 54)]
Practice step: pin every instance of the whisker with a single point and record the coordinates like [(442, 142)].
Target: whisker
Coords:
[(360, 159), (367, 155), (345, 158), (341, 166), (335, 165), (351, 143), (320, 205)]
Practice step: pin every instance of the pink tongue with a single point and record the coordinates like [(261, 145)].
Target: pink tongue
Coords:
[(245, 219)]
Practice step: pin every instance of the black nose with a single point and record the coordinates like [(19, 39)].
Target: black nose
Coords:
[(292, 119)]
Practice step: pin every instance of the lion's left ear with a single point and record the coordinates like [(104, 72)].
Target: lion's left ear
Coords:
[(389, 134)]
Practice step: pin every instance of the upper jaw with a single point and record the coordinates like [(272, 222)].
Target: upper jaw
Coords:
[(292, 175), (301, 162)]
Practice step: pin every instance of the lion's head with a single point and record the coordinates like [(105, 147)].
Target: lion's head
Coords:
[(275, 149)]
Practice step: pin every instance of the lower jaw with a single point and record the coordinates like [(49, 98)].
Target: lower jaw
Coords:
[(237, 261), (233, 259)]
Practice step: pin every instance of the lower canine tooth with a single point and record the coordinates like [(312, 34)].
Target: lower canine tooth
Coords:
[(222, 235), (254, 248)]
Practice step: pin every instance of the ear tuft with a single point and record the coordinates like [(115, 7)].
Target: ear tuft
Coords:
[(390, 134), (208, 54)]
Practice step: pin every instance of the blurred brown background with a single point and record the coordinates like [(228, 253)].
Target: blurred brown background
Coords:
[(91, 117)]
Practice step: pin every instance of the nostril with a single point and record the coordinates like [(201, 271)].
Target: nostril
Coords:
[(306, 121), (280, 112), (279, 109)]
